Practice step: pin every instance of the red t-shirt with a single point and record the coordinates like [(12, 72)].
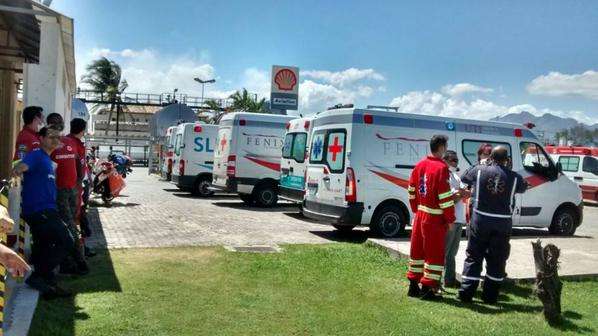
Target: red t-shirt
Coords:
[(27, 140), (66, 158), (81, 151)]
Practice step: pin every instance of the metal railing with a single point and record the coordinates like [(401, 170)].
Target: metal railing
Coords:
[(149, 99)]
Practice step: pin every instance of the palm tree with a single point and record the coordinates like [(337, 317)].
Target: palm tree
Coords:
[(243, 101), (104, 76)]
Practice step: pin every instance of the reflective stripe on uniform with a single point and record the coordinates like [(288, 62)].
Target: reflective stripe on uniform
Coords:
[(411, 197), (513, 195), (477, 189), (434, 267), (445, 195), (493, 278), (446, 204), (429, 210), (414, 269), (416, 261), (492, 214), (411, 189), (432, 276), (470, 278)]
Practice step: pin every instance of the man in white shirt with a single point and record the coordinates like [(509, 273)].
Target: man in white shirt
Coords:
[(453, 235)]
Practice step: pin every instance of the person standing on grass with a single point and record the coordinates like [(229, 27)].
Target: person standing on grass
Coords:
[(491, 223), (51, 238), (453, 236), (431, 199), (69, 173)]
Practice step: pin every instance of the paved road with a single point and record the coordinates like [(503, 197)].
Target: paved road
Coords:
[(155, 213)]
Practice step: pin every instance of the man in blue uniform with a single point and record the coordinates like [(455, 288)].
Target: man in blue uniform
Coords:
[(491, 223), (51, 238)]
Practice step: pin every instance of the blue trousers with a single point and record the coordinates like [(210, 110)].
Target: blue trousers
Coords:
[(488, 240)]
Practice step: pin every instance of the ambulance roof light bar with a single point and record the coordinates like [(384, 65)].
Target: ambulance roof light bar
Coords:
[(382, 107)]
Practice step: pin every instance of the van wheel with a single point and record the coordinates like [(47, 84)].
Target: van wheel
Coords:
[(266, 196), (389, 221), (564, 222), (247, 199), (201, 188), (344, 228)]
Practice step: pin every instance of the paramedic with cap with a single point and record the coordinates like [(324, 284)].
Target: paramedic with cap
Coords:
[(431, 199), (491, 223), (27, 139)]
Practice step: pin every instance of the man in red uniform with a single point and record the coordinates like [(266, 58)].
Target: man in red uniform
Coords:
[(27, 139), (68, 179), (432, 202)]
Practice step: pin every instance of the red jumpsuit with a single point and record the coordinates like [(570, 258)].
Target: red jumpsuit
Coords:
[(27, 140), (432, 202)]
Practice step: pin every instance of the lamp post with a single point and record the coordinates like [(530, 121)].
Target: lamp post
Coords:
[(203, 83)]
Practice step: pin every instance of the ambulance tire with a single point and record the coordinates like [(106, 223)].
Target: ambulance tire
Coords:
[(201, 187), (265, 195), (247, 199), (564, 222), (389, 221)]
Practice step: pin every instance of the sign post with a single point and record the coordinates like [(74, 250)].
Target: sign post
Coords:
[(284, 93)]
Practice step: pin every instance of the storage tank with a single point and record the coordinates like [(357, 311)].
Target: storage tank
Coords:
[(170, 115)]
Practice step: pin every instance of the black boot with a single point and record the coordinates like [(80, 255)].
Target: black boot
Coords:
[(490, 291), (464, 297), (429, 294), (414, 290)]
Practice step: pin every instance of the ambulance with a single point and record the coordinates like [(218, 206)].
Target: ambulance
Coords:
[(167, 152), (193, 158), (361, 159), (293, 162), (581, 165), (247, 156)]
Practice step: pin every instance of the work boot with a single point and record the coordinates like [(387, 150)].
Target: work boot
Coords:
[(429, 294), (56, 292), (38, 283), (89, 252), (463, 297), (414, 290)]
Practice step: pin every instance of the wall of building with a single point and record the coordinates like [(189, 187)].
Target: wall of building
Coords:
[(46, 83)]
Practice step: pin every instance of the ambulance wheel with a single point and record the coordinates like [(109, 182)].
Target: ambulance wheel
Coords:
[(201, 187), (266, 196), (564, 222), (247, 199), (389, 221)]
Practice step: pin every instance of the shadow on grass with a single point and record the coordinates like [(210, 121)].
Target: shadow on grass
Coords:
[(240, 205), (57, 317), (355, 236)]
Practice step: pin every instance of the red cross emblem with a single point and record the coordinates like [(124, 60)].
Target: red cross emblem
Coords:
[(222, 143), (335, 148)]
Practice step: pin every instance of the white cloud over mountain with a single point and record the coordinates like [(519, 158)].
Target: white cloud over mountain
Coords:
[(557, 84), (457, 106)]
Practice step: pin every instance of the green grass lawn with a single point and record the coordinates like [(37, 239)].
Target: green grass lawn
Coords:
[(338, 289)]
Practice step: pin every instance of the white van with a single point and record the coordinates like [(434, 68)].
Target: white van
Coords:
[(360, 162), (168, 152), (581, 165), (293, 162), (247, 156), (193, 158)]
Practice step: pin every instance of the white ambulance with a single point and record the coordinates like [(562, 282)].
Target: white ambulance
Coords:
[(193, 158), (168, 152), (247, 156), (360, 162), (581, 165), (293, 162)]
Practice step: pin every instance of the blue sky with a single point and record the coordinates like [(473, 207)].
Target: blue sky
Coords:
[(474, 59)]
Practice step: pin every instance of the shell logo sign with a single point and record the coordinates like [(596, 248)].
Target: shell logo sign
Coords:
[(285, 79), (284, 93)]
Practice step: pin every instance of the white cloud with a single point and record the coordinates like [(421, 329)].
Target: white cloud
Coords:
[(558, 84), (463, 88), (343, 78), (105, 52), (435, 103)]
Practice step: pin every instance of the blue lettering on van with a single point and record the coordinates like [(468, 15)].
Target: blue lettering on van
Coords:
[(201, 145)]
